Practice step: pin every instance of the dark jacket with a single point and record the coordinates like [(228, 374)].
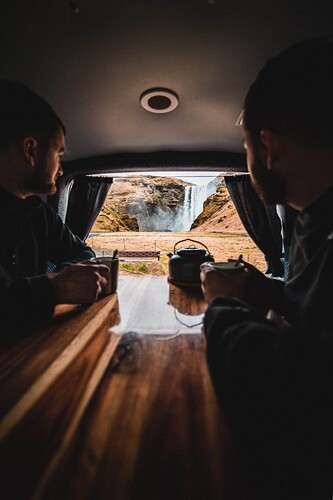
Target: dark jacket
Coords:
[(276, 385), (33, 240)]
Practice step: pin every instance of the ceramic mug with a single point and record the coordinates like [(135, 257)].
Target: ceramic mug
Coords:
[(228, 268), (113, 265)]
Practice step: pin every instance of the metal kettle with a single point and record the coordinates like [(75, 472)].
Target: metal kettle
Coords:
[(184, 264)]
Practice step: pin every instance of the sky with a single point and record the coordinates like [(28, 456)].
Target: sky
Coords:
[(198, 178)]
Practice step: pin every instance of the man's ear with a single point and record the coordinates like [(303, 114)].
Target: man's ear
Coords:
[(270, 142), (30, 150)]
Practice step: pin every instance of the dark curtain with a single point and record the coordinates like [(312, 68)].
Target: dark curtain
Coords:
[(260, 221), (288, 218), (85, 201)]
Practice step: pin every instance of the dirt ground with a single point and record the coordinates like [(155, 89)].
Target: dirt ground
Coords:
[(222, 246), (223, 234)]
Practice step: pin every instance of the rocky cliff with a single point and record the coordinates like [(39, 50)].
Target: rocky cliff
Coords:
[(213, 204), (109, 220), (144, 203), (219, 215), (149, 203)]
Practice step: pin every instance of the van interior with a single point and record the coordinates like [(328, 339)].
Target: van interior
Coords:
[(150, 85), (142, 87)]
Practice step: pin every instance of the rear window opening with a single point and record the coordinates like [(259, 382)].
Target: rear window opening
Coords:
[(150, 214)]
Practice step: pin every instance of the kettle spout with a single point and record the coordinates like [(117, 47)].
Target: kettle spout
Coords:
[(169, 255)]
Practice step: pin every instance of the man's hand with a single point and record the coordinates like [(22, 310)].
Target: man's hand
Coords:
[(250, 286), (80, 283), (216, 284)]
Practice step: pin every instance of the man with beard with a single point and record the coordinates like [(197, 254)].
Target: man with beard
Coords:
[(274, 378), (32, 142)]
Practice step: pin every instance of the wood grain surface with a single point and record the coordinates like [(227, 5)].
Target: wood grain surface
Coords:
[(153, 429), (88, 412)]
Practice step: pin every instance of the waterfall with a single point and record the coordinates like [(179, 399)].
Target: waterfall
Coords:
[(164, 218), (195, 196)]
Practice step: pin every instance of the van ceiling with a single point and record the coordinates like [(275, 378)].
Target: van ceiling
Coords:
[(92, 60)]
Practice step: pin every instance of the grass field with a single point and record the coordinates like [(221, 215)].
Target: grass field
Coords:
[(222, 246)]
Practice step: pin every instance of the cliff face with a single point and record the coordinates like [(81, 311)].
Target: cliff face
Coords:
[(214, 203), (141, 203), (109, 220), (149, 203), (219, 215), (148, 192)]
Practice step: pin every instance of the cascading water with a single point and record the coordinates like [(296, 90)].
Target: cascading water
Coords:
[(165, 219), (195, 196)]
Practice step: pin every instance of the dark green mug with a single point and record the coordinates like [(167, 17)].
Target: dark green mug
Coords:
[(228, 268)]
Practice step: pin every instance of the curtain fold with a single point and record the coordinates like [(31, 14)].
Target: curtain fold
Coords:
[(260, 221), (288, 218), (85, 202)]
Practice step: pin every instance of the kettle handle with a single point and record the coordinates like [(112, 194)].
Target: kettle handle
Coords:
[(189, 239)]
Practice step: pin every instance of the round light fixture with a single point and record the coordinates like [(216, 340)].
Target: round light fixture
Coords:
[(159, 100)]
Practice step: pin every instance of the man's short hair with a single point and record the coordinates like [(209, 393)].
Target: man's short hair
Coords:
[(293, 94), (23, 113)]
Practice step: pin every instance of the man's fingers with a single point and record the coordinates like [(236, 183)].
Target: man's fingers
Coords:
[(96, 263), (103, 281), (98, 291), (103, 269)]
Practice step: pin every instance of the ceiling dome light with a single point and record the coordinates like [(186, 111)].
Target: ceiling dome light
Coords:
[(159, 100)]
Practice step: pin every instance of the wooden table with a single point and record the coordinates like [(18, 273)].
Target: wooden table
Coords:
[(113, 401)]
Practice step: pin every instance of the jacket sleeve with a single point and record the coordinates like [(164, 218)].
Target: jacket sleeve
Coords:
[(25, 302), (64, 247), (275, 388), (265, 376), (241, 354)]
